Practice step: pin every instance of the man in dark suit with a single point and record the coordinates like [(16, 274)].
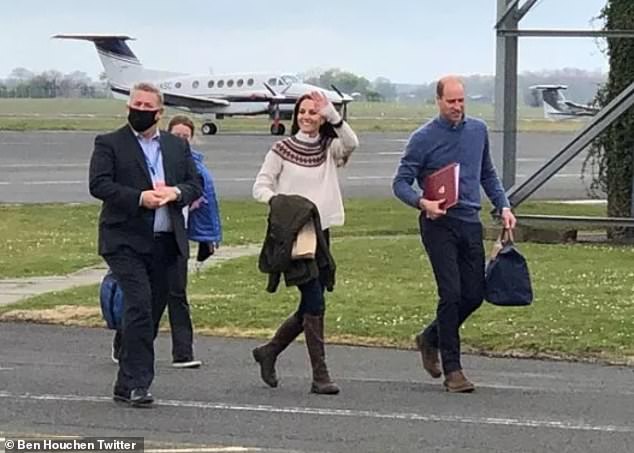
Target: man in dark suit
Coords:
[(144, 177)]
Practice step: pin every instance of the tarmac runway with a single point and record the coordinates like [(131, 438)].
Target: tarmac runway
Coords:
[(53, 166), (58, 380)]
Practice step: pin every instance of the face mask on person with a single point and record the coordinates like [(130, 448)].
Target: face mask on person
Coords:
[(142, 120)]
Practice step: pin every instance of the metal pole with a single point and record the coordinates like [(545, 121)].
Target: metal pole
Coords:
[(506, 92), (525, 8)]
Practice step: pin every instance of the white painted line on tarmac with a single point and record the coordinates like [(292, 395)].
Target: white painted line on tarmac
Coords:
[(570, 425), (46, 165), (390, 153), (4, 183), (32, 143), (235, 179), (359, 162), (359, 178), (201, 450), (47, 183), (559, 175)]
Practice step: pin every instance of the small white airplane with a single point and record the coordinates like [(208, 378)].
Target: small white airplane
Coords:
[(557, 107), (220, 95)]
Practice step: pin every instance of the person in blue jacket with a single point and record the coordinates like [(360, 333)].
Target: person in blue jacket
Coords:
[(203, 225)]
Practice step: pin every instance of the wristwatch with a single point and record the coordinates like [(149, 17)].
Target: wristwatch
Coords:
[(179, 193)]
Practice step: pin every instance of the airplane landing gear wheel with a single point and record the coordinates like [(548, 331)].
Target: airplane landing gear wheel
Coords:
[(209, 129), (278, 129)]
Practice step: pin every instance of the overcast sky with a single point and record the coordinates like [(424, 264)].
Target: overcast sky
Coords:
[(411, 41)]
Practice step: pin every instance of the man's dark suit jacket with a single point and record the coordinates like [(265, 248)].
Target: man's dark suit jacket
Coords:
[(118, 175)]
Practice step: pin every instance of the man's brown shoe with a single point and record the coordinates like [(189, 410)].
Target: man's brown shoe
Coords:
[(456, 382), (430, 356)]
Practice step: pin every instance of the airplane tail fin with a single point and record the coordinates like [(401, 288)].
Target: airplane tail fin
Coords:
[(121, 65), (552, 104)]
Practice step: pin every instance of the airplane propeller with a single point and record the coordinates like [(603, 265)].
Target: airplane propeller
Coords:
[(344, 101)]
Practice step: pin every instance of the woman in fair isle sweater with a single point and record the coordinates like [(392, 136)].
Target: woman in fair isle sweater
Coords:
[(306, 164)]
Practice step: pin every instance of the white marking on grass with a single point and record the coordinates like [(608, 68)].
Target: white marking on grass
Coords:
[(570, 425)]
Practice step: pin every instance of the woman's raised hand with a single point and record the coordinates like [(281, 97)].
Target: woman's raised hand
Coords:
[(320, 100)]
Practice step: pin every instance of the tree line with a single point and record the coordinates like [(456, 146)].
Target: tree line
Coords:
[(582, 85), (23, 83)]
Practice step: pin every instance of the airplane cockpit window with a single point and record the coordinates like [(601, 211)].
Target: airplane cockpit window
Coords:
[(229, 83), (177, 85), (240, 82), (289, 79), (195, 84), (272, 81), (250, 82), (221, 83), (210, 84)]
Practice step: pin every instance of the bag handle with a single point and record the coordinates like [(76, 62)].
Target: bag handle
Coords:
[(506, 236)]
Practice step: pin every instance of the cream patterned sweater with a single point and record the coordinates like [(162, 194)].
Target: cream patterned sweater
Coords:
[(297, 166)]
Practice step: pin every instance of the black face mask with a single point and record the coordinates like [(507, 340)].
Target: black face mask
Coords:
[(141, 120)]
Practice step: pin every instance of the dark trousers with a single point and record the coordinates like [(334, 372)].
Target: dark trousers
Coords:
[(143, 278), (312, 301), (177, 310), (456, 254)]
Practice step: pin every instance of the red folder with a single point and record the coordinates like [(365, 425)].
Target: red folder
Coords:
[(443, 184)]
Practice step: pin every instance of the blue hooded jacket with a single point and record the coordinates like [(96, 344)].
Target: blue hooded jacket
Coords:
[(204, 224)]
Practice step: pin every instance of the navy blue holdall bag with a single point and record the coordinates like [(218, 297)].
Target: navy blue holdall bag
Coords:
[(111, 301), (508, 281)]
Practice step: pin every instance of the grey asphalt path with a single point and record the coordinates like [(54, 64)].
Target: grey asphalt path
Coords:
[(57, 380), (15, 289), (53, 166)]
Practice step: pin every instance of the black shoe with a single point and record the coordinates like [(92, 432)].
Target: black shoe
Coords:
[(138, 397)]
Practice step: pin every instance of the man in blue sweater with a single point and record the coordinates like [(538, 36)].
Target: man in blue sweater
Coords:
[(452, 237)]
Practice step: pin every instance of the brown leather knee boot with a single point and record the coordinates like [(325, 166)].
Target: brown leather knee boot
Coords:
[(314, 334), (266, 355)]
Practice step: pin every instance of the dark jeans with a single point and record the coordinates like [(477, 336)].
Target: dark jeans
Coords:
[(456, 254), (143, 278), (312, 299)]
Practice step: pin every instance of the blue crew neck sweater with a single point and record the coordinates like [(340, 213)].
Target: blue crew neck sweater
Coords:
[(438, 143)]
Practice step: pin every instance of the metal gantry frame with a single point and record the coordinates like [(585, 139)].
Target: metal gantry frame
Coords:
[(509, 14)]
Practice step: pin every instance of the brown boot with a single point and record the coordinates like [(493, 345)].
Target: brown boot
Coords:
[(456, 382), (266, 355), (430, 356), (314, 334)]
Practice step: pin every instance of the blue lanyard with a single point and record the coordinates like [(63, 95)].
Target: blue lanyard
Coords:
[(153, 165)]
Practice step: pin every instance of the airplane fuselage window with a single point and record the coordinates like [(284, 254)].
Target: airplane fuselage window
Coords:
[(220, 84), (240, 82), (250, 82), (229, 83), (210, 84), (272, 82), (177, 84), (195, 84)]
